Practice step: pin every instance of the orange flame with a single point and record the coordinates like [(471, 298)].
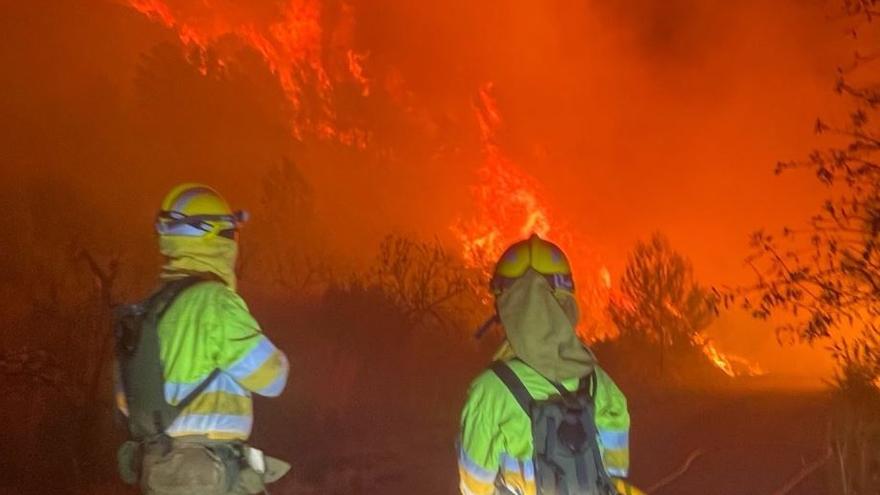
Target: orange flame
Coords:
[(290, 44), (356, 67), (510, 206), (508, 203), (730, 364)]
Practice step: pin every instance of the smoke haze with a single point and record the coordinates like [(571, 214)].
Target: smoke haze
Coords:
[(633, 117)]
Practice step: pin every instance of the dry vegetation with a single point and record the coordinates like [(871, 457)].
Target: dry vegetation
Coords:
[(826, 276), (386, 346)]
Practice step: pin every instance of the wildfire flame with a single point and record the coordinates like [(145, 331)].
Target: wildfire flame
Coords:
[(509, 203), (289, 42), (730, 364), (356, 67), (510, 206), (507, 199)]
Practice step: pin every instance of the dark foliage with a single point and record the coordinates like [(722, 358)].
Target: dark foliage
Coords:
[(660, 309), (426, 281), (825, 277)]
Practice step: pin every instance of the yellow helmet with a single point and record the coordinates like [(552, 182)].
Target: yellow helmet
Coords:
[(535, 254), (196, 210)]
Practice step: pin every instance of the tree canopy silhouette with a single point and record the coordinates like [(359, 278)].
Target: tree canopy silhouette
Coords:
[(659, 302), (825, 277)]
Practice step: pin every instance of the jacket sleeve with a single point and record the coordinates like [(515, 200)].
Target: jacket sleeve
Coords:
[(244, 353), (612, 421), (480, 444)]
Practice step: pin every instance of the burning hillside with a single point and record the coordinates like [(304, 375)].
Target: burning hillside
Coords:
[(510, 206), (388, 152), (290, 39)]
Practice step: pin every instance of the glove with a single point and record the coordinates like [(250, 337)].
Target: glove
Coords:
[(624, 488)]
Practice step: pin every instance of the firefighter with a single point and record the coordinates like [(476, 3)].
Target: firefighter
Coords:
[(509, 435), (189, 358)]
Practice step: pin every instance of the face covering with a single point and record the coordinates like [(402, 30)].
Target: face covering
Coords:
[(191, 255), (540, 327)]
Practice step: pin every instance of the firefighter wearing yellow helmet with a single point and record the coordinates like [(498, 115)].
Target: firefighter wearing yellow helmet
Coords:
[(545, 419), (190, 357), (196, 210)]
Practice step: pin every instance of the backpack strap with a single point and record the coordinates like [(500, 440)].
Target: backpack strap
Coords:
[(161, 301), (186, 401), (559, 388), (514, 384), (588, 384), (159, 304)]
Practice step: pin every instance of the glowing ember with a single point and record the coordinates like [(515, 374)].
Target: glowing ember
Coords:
[(356, 67), (605, 276), (730, 364), (290, 43)]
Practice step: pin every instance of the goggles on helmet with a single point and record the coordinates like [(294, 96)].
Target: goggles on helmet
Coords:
[(177, 223)]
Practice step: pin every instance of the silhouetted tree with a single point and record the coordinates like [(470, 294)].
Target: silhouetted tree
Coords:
[(658, 302), (60, 284), (825, 277), (827, 274), (284, 247), (426, 280)]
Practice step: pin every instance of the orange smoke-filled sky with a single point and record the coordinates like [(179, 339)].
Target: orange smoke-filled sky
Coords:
[(633, 117)]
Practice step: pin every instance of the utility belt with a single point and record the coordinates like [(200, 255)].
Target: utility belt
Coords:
[(232, 464)]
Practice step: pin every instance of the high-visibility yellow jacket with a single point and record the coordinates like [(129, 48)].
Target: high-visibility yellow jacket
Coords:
[(209, 327), (495, 443)]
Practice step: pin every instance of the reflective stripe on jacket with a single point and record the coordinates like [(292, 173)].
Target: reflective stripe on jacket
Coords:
[(495, 442), (210, 327)]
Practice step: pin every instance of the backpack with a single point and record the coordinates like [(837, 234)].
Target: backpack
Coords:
[(566, 448), (136, 328)]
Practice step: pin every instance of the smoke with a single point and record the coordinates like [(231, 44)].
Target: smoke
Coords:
[(632, 116)]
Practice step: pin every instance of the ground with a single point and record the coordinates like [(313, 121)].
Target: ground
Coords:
[(754, 439)]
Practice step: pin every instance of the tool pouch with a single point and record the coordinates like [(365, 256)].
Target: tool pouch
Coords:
[(259, 470), (188, 470)]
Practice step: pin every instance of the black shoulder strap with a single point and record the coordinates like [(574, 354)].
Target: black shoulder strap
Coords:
[(161, 301), (588, 385), (559, 388), (583, 385), (514, 384), (198, 390)]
